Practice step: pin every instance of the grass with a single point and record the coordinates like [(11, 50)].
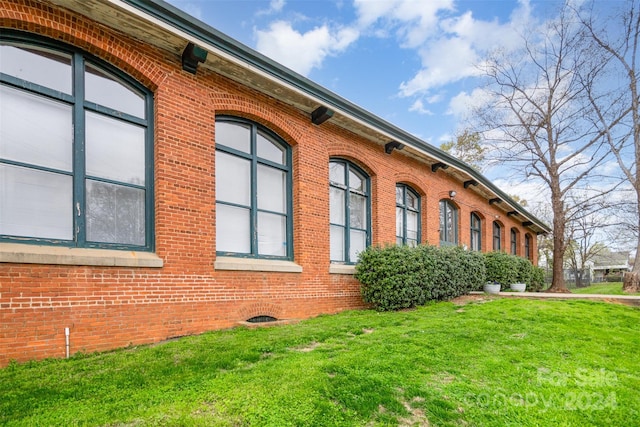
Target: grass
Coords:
[(614, 288), (491, 362)]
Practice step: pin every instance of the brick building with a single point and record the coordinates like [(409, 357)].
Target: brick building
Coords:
[(159, 179)]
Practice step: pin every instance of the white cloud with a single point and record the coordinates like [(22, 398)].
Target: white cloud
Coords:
[(419, 108), (303, 51), (454, 54), (413, 21), (533, 191), (463, 104), (275, 6)]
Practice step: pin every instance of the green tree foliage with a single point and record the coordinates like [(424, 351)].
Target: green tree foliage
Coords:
[(467, 147)]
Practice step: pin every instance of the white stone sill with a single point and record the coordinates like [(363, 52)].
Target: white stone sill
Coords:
[(253, 264), (342, 269), (40, 254)]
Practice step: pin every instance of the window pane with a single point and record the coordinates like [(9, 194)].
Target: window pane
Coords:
[(269, 150), (232, 229), (272, 234), (52, 70), (399, 222), (233, 179), (336, 173), (412, 225), (35, 130), (337, 243), (115, 214), (114, 149), (356, 182), (412, 200), (35, 203), (108, 91), (449, 220), (272, 189), (443, 225), (399, 196), (336, 208), (357, 244), (399, 241), (412, 243), (234, 135), (357, 211)]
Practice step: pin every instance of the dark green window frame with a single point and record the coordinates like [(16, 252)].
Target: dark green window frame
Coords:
[(345, 186), (253, 208), (476, 232), (497, 238), (402, 209), (448, 223), (79, 106), (514, 242)]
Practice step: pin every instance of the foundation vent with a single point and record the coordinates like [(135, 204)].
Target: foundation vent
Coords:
[(262, 319)]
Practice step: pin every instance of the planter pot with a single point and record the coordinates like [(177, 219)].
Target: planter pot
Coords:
[(490, 288), (518, 287)]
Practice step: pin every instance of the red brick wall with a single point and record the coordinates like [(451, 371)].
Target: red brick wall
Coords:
[(108, 307)]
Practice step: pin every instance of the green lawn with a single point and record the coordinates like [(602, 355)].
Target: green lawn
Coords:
[(614, 288), (491, 362)]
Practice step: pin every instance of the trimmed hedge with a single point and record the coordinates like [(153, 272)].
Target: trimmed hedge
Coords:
[(506, 269), (396, 277)]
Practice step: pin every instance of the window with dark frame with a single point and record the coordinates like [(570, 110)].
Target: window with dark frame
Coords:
[(253, 191), (476, 233), (514, 241), (76, 155), (527, 246), (448, 223), (497, 240), (349, 211), (407, 216)]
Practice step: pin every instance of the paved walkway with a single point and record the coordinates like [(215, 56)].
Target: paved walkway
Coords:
[(633, 300)]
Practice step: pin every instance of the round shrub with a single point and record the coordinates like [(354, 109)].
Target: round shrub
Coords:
[(537, 279), (389, 277), (501, 267)]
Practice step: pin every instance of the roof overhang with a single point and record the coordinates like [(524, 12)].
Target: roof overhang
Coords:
[(162, 25)]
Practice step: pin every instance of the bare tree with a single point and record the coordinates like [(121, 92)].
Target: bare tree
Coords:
[(617, 106), (538, 119), (583, 244)]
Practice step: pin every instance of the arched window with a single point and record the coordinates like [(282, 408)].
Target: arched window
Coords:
[(497, 240), (253, 191), (76, 155), (448, 223), (514, 241), (407, 216), (527, 246), (476, 232), (350, 222)]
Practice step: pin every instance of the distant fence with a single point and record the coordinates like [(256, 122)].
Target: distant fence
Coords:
[(572, 279)]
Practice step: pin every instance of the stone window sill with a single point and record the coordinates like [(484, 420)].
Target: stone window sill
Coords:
[(253, 264), (342, 269), (40, 254)]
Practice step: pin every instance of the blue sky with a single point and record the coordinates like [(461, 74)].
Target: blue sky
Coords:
[(410, 62)]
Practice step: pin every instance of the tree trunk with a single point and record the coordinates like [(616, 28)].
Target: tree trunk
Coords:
[(557, 284), (631, 280), (631, 283)]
